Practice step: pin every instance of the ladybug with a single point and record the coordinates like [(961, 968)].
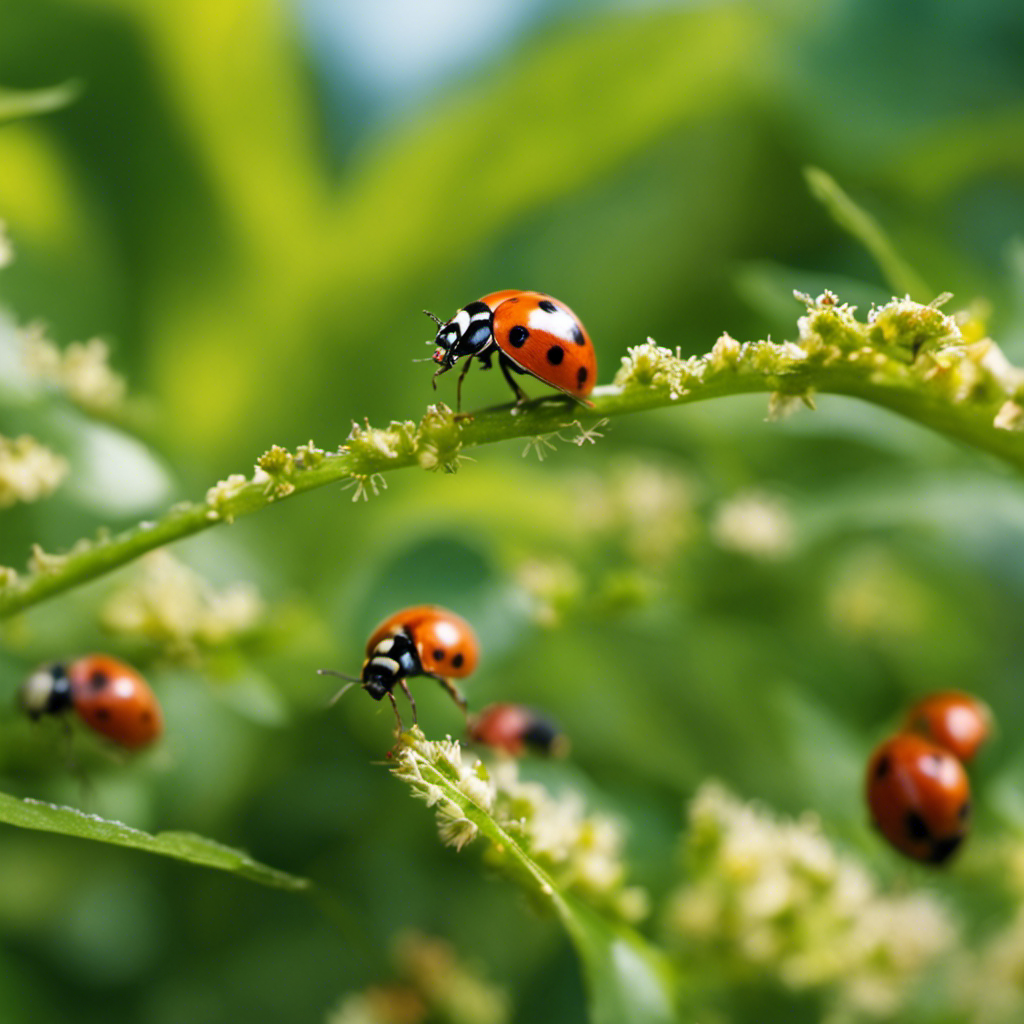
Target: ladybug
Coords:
[(530, 332), (108, 695), (512, 728), (425, 640), (919, 797), (956, 721)]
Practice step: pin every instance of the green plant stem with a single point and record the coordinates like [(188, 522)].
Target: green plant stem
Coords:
[(629, 981), (886, 382)]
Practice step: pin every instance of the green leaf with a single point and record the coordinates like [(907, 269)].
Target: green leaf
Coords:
[(44, 817), (901, 276), (15, 103), (628, 980)]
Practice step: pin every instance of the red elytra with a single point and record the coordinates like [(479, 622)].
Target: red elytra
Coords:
[(919, 797), (512, 728), (444, 641), (557, 349), (954, 720), (531, 332)]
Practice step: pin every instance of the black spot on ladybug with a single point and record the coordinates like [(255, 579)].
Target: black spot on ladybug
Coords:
[(438, 654), (577, 335), (98, 679), (965, 810), (458, 660), (882, 768), (556, 354), (916, 826), (581, 376), (517, 336), (943, 849), (103, 714), (146, 717), (936, 761), (548, 306)]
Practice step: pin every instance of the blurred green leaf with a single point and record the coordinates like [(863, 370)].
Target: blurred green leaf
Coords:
[(853, 218), (186, 846), (15, 103), (628, 980)]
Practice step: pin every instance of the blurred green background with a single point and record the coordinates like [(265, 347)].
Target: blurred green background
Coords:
[(252, 202)]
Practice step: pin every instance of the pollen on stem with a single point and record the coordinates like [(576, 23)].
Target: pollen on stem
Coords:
[(362, 486), (223, 492)]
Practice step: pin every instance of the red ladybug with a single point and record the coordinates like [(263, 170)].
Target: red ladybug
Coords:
[(919, 797), (954, 720), (108, 695), (425, 640), (530, 332), (512, 728)]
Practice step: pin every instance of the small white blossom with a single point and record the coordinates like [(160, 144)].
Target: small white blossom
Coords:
[(82, 371), (581, 852), (550, 587), (776, 895), (28, 470), (171, 604), (1009, 417), (758, 525)]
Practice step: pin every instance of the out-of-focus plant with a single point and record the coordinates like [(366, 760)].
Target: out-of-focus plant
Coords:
[(763, 900), (433, 985)]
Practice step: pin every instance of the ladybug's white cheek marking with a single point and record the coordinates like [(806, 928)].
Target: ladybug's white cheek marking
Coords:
[(389, 664), (35, 693), (385, 645), (461, 320), (559, 323)]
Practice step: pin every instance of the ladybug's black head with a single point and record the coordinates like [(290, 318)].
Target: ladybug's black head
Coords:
[(46, 692), (468, 333), (378, 681), (392, 659)]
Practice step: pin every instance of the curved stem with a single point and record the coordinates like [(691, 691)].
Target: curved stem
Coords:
[(908, 358)]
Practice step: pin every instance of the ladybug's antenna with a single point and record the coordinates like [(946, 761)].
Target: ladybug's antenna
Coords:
[(437, 320), (341, 675)]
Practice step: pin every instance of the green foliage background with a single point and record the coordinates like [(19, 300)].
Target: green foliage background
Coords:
[(258, 252)]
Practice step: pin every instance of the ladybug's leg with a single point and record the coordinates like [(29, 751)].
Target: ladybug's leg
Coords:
[(521, 395), (398, 717), (458, 388), (405, 689), (437, 373), (455, 693)]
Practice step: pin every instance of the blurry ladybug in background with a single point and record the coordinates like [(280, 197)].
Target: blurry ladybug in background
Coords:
[(919, 798), (108, 695), (530, 332), (425, 640), (956, 721), (513, 728)]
